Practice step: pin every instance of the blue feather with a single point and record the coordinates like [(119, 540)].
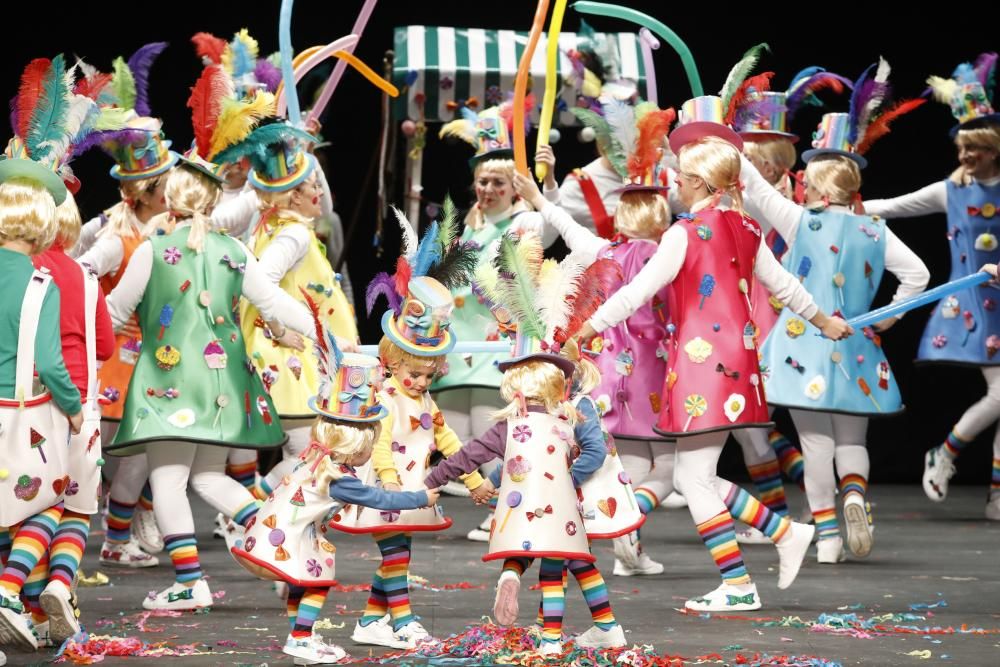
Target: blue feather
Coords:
[(804, 74), (859, 96), (244, 62), (48, 119), (428, 252), (140, 63), (338, 356)]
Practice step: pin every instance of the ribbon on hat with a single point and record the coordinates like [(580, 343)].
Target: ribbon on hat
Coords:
[(140, 151), (418, 321), (364, 393), (547, 510), (489, 128)]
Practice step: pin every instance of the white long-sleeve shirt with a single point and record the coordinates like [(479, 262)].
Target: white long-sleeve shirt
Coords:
[(88, 236), (666, 262), (272, 302), (582, 242), (927, 200), (285, 252), (761, 199)]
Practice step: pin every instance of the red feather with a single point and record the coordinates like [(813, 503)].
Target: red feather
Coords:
[(314, 309), (403, 275), (596, 284), (507, 112), (760, 83), (93, 86), (652, 128), (205, 104), (879, 127), (32, 82), (207, 45)]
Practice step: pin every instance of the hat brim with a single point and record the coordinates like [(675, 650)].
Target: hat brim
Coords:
[(766, 135), (564, 364), (691, 132), (976, 123), (446, 345), (817, 152), (662, 189), (30, 170), (203, 168), (498, 154), (165, 166), (380, 413), (288, 182)]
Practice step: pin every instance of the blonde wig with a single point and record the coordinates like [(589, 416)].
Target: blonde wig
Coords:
[(717, 163), (340, 442), (191, 195), (392, 355), (835, 178), (278, 205), (642, 214), (122, 218), (534, 382), (27, 213), (68, 222)]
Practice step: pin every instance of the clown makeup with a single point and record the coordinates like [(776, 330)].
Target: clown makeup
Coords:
[(979, 160), (494, 192), (415, 379), (305, 200)]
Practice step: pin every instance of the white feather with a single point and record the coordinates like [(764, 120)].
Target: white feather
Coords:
[(89, 71), (621, 119), (409, 242), (944, 89), (864, 118), (557, 286)]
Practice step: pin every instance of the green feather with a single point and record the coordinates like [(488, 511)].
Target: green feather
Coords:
[(255, 144), (111, 118), (49, 118), (739, 73), (602, 132), (449, 224), (523, 260), (123, 84)]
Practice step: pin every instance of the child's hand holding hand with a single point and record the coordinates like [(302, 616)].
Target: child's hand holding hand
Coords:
[(482, 494), (432, 497)]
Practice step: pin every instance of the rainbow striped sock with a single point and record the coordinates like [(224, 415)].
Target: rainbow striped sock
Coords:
[(183, 550), (247, 512), (68, 544), (395, 570), (5, 544), (995, 479), (244, 473), (953, 446), (751, 511), (550, 576), (295, 594), (767, 478), (853, 484), (719, 536), (826, 524), (646, 500), (595, 593), (308, 611), (119, 521), (265, 488), (516, 565), (31, 542), (789, 457), (33, 587), (146, 497)]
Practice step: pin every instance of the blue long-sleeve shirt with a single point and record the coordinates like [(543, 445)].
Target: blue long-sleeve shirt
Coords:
[(351, 490)]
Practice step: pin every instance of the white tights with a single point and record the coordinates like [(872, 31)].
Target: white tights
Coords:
[(983, 412), (132, 471), (696, 474), (298, 431), (239, 457), (830, 439), (172, 465), (649, 463)]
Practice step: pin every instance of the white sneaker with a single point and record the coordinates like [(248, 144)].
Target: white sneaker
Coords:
[(233, 534), (146, 532), (180, 597), (220, 528), (126, 554), (727, 598), (505, 605), (792, 551), (57, 602), (993, 508), (455, 488), (598, 638), (482, 532), (377, 633), (42, 635), (15, 628), (859, 531), (830, 550), (645, 566), (412, 634), (750, 535), (938, 469), (674, 501), (312, 651), (626, 549), (550, 648)]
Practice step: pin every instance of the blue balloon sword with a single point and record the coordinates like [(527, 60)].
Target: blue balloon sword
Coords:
[(917, 300)]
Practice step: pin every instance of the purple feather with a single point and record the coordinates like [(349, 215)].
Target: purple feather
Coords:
[(140, 63), (864, 90), (755, 110), (267, 74), (383, 285), (106, 138), (13, 113), (802, 93), (985, 67)]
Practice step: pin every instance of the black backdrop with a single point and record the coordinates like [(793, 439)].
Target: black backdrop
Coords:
[(843, 37)]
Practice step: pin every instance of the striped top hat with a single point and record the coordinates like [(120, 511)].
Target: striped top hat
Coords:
[(968, 92)]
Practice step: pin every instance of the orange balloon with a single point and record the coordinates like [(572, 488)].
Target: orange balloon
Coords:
[(521, 88)]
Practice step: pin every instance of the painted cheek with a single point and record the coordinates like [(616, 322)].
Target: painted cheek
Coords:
[(502, 193), (315, 200), (407, 382)]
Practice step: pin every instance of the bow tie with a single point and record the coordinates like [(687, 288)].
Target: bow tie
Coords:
[(795, 365), (361, 392), (739, 599), (396, 447), (426, 421), (187, 594), (533, 515), (418, 321)]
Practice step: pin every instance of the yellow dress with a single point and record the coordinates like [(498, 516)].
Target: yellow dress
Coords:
[(289, 375)]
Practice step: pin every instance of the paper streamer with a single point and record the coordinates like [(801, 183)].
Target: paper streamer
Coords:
[(655, 26), (521, 88), (338, 70), (905, 305), (649, 43), (462, 347), (551, 84)]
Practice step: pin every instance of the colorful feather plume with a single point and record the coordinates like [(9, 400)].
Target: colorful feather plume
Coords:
[(985, 67), (122, 84), (807, 83), (558, 285), (620, 117), (596, 285), (139, 64), (403, 274), (602, 131), (108, 140), (238, 119), (462, 128), (208, 47), (651, 129), (205, 102), (408, 234), (507, 111), (328, 355), (520, 262), (92, 83), (47, 118), (383, 285), (943, 89), (739, 73), (28, 94), (454, 269), (879, 127), (869, 93), (239, 58), (256, 143), (428, 251), (746, 94), (267, 75), (486, 277)]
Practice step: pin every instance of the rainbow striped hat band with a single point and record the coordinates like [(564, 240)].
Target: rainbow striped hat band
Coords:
[(702, 117), (352, 393), (423, 327), (830, 138), (283, 166), (774, 123), (149, 156)]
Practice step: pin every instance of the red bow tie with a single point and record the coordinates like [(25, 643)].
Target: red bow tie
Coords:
[(533, 515)]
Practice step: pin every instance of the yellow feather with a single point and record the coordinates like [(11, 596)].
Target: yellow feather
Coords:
[(462, 129), (591, 84), (238, 118), (943, 88), (249, 42)]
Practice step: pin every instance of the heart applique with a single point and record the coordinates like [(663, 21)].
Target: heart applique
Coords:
[(270, 521), (60, 484), (608, 507)]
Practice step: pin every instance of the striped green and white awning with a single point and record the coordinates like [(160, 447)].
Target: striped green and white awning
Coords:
[(459, 63)]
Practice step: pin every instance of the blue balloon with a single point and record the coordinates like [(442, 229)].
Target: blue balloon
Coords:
[(934, 294)]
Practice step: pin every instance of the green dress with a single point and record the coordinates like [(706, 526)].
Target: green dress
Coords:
[(470, 321), (193, 380)]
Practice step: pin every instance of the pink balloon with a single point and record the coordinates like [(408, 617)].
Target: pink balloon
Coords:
[(338, 70), (347, 41)]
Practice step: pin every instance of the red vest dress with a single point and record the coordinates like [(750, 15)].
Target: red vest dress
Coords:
[(713, 378)]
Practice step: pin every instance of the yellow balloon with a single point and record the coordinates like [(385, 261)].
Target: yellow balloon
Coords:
[(551, 88)]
